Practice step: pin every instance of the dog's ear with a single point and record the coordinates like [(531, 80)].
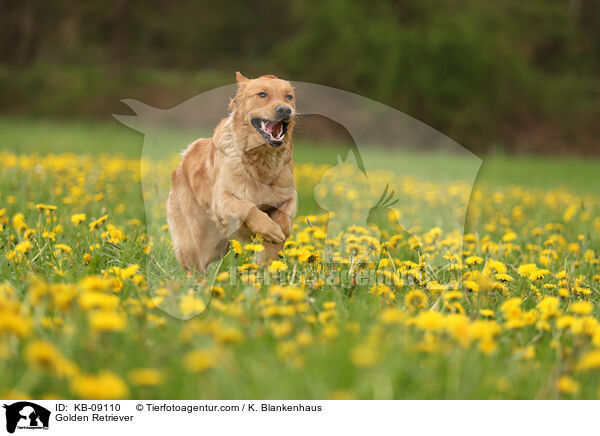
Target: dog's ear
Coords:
[(241, 81)]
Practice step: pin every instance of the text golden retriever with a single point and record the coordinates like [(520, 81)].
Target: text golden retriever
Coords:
[(240, 181)]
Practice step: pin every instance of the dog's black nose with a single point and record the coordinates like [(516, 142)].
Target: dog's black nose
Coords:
[(282, 111)]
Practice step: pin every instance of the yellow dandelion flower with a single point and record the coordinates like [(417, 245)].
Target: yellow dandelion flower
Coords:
[(46, 356), (217, 291), (45, 207), (64, 247), (392, 315), (145, 377), (496, 266), (488, 313), (304, 339), (228, 335), (581, 307), (549, 307), (363, 356), (78, 218), (288, 293), (488, 345), (18, 222), (452, 295), (277, 266), (503, 277), (525, 353), (190, 304), (341, 395), (330, 331), (15, 323), (106, 321), (471, 285), (281, 329), (430, 320), (96, 223), (23, 247), (329, 305), (473, 260), (512, 307), (509, 237), (567, 385), (255, 248), (589, 361), (105, 386), (223, 276), (201, 360)]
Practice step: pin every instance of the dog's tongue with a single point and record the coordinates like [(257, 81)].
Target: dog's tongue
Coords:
[(273, 126)]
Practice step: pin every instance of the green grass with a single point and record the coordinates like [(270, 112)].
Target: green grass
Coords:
[(23, 135)]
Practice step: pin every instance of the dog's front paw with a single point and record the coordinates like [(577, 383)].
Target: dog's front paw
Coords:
[(273, 233), (259, 222)]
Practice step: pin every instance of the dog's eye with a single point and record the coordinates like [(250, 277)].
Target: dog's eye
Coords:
[(262, 94), (289, 96)]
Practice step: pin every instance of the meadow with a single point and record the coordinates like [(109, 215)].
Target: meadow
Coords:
[(507, 310)]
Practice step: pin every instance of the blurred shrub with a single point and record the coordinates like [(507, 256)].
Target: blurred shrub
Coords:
[(464, 65), (482, 71)]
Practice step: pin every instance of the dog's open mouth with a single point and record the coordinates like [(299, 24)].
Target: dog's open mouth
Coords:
[(272, 131)]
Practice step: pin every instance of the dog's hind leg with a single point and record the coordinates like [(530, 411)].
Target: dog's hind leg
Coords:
[(185, 232), (185, 245), (210, 243), (196, 240)]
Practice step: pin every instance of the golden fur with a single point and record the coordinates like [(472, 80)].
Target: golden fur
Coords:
[(235, 183)]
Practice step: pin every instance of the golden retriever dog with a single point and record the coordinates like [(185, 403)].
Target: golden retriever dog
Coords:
[(239, 182)]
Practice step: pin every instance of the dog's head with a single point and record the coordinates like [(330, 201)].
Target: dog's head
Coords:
[(266, 106)]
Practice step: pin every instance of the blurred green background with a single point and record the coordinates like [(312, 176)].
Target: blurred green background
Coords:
[(503, 75)]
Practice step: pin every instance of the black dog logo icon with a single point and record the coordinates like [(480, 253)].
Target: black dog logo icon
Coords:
[(24, 414)]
